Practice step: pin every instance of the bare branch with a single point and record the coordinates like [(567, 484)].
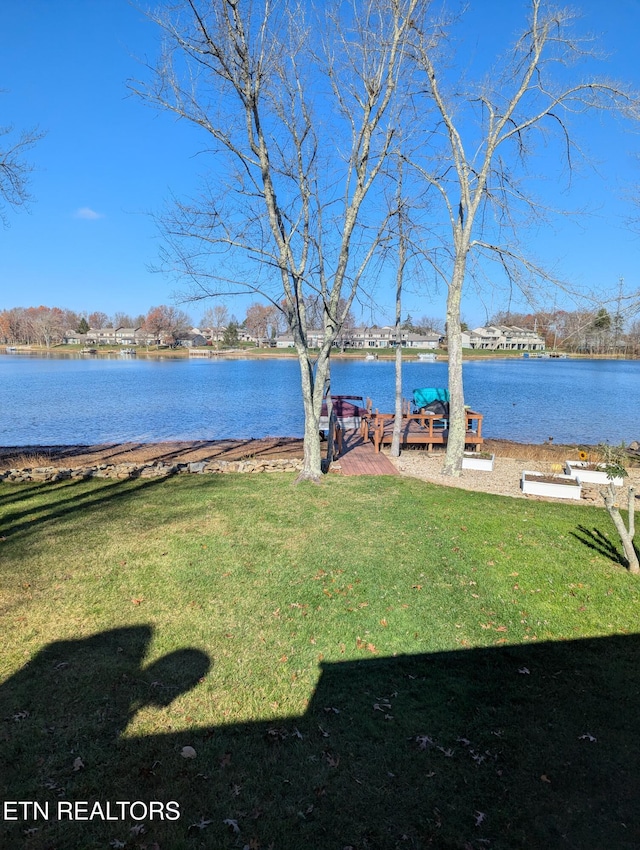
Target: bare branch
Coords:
[(15, 170)]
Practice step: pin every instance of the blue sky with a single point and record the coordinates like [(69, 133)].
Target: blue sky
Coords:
[(107, 160)]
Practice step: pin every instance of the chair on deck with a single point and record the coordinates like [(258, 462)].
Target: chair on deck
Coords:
[(433, 400)]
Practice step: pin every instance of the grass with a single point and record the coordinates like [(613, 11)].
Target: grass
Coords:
[(373, 663)]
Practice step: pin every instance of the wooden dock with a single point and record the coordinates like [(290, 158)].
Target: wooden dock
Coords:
[(424, 429), (359, 457)]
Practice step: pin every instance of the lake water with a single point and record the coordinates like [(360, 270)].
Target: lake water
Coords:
[(74, 400)]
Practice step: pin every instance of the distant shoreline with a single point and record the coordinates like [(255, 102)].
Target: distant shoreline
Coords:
[(288, 353)]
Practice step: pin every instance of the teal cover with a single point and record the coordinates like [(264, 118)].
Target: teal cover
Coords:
[(427, 395)]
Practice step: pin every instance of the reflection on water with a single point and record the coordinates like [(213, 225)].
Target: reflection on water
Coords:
[(46, 401)]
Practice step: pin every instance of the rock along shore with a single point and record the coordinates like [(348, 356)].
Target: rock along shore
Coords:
[(146, 470)]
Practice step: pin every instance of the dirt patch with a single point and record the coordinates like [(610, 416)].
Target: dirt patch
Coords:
[(170, 452)]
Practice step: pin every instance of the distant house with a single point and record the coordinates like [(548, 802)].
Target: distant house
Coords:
[(143, 337), (365, 337), (102, 336), (74, 338), (189, 339), (385, 337), (127, 336), (212, 334), (429, 340), (503, 338)]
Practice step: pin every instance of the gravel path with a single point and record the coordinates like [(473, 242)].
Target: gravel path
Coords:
[(503, 481)]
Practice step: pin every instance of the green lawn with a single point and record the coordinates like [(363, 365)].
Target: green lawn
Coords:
[(372, 663)]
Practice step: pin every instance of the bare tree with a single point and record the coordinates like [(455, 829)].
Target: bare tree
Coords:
[(300, 104), (260, 320), (478, 155), (430, 324), (122, 320), (216, 318), (98, 320), (166, 323), (15, 169)]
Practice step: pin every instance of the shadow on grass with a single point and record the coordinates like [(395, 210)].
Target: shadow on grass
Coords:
[(529, 746), (16, 494), (24, 516), (594, 539)]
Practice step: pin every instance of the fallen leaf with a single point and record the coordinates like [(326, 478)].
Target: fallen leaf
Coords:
[(188, 753), (545, 778), (479, 816), (587, 737), (232, 824), (78, 764), (202, 824), (332, 761)]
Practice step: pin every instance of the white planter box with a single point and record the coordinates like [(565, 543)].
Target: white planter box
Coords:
[(538, 484), (472, 461), (576, 469)]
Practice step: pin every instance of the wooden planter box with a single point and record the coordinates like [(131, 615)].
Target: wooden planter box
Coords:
[(554, 486), (470, 460), (580, 469)]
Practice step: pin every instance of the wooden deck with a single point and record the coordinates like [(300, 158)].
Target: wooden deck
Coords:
[(423, 429), (359, 457)]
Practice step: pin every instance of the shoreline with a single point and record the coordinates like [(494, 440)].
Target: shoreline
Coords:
[(24, 464), (290, 354), (272, 448)]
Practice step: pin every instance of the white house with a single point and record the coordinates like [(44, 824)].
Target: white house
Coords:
[(503, 338)]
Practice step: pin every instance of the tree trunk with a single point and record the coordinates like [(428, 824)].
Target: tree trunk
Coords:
[(457, 418), (402, 259), (397, 422), (625, 538), (312, 392)]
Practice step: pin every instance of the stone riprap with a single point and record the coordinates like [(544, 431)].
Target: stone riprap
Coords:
[(147, 470)]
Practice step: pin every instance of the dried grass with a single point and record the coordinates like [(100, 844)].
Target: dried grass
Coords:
[(26, 460), (543, 451)]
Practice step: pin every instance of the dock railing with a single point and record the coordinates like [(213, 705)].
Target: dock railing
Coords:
[(424, 428)]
